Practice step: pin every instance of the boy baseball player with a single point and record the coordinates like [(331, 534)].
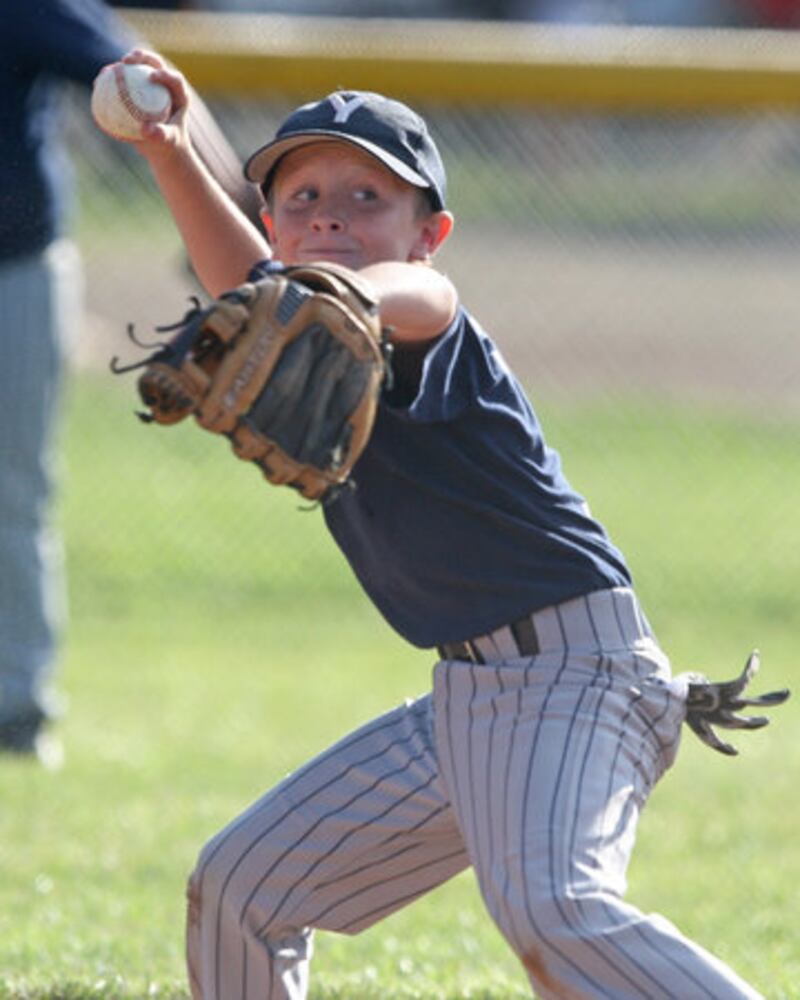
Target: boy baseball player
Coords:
[(552, 714)]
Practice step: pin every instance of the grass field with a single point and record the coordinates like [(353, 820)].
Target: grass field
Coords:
[(216, 640)]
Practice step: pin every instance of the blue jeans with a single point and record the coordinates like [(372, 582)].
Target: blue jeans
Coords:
[(41, 301)]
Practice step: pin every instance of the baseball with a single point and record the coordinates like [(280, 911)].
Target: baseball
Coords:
[(124, 98)]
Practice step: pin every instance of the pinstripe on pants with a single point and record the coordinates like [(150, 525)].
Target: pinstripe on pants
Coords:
[(40, 300), (533, 770)]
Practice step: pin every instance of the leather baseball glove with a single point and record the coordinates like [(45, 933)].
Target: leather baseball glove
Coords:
[(710, 704), (288, 368)]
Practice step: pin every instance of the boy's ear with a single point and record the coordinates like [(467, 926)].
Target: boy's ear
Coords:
[(434, 231), (269, 225)]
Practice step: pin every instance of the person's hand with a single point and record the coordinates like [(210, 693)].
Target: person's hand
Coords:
[(162, 138)]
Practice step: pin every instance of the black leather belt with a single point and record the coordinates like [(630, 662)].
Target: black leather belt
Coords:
[(494, 646)]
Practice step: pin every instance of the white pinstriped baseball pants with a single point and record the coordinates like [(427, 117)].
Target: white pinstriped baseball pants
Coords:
[(531, 770)]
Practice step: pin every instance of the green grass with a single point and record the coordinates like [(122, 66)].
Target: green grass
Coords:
[(617, 197), (216, 640)]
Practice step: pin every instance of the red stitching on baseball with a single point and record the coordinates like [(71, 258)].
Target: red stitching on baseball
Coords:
[(133, 109)]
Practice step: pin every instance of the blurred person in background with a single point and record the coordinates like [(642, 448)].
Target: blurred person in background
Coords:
[(45, 45)]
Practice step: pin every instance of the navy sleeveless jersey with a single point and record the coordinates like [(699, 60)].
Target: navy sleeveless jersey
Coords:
[(461, 519)]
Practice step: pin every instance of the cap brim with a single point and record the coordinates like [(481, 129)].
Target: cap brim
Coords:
[(258, 167)]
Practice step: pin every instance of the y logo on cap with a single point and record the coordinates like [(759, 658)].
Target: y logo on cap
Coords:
[(344, 107)]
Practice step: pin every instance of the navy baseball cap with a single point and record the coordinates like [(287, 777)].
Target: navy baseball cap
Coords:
[(388, 129)]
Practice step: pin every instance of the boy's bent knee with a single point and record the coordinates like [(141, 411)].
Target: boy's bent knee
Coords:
[(556, 922)]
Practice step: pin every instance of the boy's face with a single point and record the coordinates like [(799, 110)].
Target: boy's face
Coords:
[(330, 201)]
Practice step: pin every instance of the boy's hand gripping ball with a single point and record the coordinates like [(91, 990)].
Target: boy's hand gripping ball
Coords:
[(124, 98)]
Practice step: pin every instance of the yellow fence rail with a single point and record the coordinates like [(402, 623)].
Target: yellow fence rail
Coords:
[(480, 63)]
